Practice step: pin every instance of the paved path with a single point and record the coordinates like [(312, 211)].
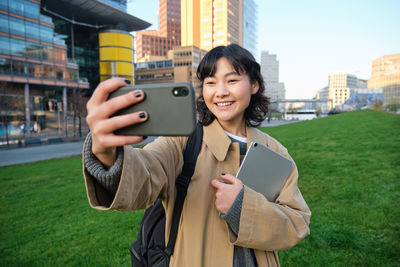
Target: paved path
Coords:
[(43, 152), (273, 123), (63, 150)]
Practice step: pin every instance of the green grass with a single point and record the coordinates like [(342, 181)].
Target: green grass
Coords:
[(349, 168), (45, 219)]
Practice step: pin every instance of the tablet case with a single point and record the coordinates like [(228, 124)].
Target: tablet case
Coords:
[(264, 170)]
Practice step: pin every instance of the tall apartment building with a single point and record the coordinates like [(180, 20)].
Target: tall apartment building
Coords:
[(386, 74), (210, 23), (340, 85), (49, 53), (270, 71), (154, 45)]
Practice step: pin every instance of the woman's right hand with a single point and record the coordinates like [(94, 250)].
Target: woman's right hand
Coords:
[(102, 125)]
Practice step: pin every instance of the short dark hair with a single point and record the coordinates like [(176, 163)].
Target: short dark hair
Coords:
[(243, 62)]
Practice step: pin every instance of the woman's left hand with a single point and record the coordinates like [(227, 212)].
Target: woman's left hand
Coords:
[(227, 190)]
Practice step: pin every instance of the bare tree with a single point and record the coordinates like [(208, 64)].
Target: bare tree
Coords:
[(79, 100)]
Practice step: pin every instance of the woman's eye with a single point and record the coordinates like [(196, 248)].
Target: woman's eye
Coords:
[(232, 81), (210, 83)]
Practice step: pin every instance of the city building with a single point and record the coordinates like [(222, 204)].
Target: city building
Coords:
[(156, 71), (207, 24), (386, 74), (340, 85), (362, 98), (154, 45), (274, 89), (181, 66), (49, 55)]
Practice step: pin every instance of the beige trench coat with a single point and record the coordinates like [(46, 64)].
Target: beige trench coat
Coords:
[(204, 239)]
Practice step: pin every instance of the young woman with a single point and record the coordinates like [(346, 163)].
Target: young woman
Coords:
[(223, 223)]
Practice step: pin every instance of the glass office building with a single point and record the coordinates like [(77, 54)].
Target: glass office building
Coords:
[(250, 26), (49, 56)]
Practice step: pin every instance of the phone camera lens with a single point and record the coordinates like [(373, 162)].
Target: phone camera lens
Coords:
[(180, 91), (184, 92), (255, 144)]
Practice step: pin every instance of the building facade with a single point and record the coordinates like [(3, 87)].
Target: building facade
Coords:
[(181, 66), (274, 89), (386, 74), (154, 45), (49, 58), (340, 85), (210, 23), (250, 26)]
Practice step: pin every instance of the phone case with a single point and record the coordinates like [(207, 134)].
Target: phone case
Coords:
[(170, 113)]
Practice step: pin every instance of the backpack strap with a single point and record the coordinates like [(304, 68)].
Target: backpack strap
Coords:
[(190, 155)]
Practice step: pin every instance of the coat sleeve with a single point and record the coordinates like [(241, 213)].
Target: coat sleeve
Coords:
[(275, 226), (147, 174)]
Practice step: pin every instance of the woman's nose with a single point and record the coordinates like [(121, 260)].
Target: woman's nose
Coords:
[(221, 90)]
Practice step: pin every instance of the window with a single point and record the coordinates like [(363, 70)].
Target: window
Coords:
[(4, 45), (31, 9), (48, 72), (16, 6), (73, 74), (46, 33), (5, 66), (32, 30), (17, 47), (20, 68), (4, 23), (33, 50), (17, 26), (34, 70)]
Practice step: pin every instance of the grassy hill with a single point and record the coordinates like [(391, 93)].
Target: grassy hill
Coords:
[(349, 167)]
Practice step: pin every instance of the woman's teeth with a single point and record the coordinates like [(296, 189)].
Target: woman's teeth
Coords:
[(224, 104)]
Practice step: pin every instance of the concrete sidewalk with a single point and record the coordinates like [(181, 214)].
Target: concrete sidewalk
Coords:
[(68, 149), (38, 153), (45, 152)]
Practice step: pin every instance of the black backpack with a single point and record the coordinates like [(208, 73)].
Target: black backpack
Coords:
[(149, 248)]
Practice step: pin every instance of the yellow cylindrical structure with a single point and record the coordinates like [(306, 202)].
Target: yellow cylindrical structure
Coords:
[(116, 55)]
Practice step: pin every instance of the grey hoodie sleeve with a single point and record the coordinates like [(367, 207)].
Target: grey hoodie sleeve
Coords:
[(232, 217), (107, 177)]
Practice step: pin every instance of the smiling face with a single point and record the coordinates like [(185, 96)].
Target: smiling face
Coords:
[(227, 94)]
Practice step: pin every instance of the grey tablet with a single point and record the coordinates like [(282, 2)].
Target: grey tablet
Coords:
[(264, 170)]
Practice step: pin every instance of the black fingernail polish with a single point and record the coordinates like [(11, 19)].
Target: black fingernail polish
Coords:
[(144, 137), (138, 94), (127, 81), (223, 174), (142, 115)]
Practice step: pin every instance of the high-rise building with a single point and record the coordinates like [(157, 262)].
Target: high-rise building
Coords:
[(340, 85), (386, 74), (154, 45), (250, 26), (270, 71), (49, 55), (210, 23)]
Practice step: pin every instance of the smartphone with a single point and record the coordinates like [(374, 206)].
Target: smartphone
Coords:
[(170, 108)]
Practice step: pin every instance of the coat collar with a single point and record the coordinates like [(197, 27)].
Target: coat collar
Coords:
[(218, 142)]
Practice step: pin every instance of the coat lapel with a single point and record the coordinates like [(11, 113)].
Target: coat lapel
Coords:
[(216, 140)]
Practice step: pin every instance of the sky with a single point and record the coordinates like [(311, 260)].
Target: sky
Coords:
[(313, 38)]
